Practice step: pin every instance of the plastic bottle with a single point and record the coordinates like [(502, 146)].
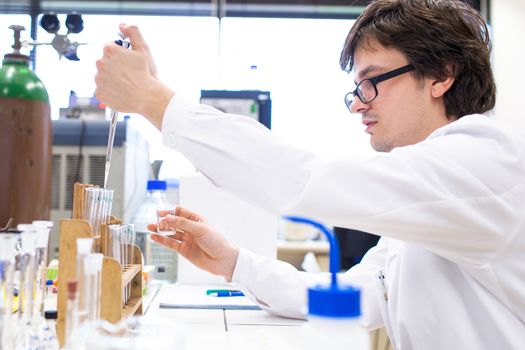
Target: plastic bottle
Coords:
[(333, 319), (333, 310)]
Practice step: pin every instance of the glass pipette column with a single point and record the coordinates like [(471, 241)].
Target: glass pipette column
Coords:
[(109, 149), (113, 125)]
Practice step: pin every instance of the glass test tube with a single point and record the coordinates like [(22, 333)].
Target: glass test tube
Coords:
[(42, 241), (90, 204), (84, 247), (7, 268), (93, 263), (72, 315), (28, 271)]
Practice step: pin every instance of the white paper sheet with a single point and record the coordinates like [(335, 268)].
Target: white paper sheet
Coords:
[(174, 296)]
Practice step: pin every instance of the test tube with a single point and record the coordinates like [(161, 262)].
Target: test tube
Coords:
[(90, 204), (108, 206), (114, 242), (72, 314), (93, 264), (98, 211), (7, 268), (28, 271), (129, 233), (84, 247), (42, 241), (98, 261)]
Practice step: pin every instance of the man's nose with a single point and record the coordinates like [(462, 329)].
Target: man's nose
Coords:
[(358, 106)]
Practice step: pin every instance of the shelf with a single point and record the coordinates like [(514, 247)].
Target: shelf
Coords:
[(129, 272), (131, 307)]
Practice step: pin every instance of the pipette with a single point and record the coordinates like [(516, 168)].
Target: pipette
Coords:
[(114, 116)]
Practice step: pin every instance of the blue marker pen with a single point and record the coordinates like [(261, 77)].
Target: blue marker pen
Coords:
[(226, 293)]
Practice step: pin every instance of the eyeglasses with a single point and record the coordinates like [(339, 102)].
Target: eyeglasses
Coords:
[(366, 90)]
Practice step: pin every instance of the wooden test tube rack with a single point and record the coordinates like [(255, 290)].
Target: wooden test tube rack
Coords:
[(115, 278)]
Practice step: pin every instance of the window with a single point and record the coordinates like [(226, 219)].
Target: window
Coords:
[(297, 60)]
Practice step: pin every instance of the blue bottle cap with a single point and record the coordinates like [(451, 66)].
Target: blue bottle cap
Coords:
[(338, 301), (333, 300), (157, 185)]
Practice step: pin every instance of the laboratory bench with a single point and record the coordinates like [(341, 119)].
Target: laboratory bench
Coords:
[(236, 329)]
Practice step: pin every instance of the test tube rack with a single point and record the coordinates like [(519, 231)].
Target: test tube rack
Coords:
[(115, 277)]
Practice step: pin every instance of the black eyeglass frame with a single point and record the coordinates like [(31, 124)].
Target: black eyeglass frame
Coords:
[(374, 81)]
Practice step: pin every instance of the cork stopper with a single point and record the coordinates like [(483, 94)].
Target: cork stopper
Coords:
[(72, 289)]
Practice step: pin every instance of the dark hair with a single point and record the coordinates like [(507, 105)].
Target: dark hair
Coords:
[(440, 38)]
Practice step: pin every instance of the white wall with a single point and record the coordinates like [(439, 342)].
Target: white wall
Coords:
[(508, 23)]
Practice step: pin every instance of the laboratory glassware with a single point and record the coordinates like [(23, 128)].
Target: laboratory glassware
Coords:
[(72, 316), (42, 240), (333, 310), (113, 125), (7, 268), (84, 247)]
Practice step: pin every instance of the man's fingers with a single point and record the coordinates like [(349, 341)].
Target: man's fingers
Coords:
[(134, 35), (183, 224), (163, 213), (188, 214), (168, 242)]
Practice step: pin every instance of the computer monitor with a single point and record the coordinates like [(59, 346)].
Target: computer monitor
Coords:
[(255, 104)]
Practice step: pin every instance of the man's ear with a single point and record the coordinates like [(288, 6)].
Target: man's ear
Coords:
[(443, 84), (439, 87)]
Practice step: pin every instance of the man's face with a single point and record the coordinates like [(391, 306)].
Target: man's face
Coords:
[(404, 111)]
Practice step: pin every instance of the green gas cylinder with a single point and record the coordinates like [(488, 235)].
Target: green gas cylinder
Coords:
[(25, 140)]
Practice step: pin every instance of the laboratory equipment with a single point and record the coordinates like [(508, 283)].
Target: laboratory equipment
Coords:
[(333, 310), (84, 248), (79, 151), (93, 267), (42, 240), (113, 125), (164, 259), (25, 140), (49, 334), (28, 272), (72, 316), (62, 44), (7, 268), (111, 287), (161, 213), (255, 104)]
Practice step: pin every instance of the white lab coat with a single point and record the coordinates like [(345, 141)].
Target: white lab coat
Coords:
[(450, 210)]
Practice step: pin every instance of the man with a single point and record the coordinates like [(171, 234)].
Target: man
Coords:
[(445, 192)]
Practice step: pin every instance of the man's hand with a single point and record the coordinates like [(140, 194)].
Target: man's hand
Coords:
[(127, 79), (194, 239)]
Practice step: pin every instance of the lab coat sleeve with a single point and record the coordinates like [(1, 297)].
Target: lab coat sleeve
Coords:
[(435, 193), (280, 289), (226, 148)]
